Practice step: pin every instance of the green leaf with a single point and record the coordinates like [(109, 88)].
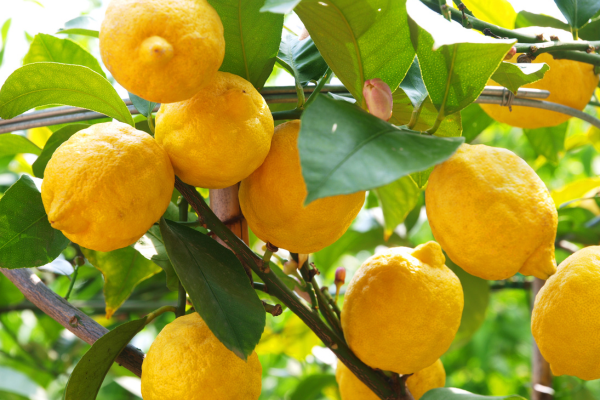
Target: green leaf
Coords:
[(590, 31), (4, 35), (548, 142), (15, 144), (26, 237), (123, 270), (413, 86), (513, 76), (152, 246), (145, 107), (397, 200), (47, 83), (526, 18), (459, 394), (54, 141), (90, 371), (474, 121), (303, 58), (360, 39), (500, 12), (279, 6), (422, 177), (86, 26), (311, 387), (9, 293), (49, 48), (578, 12), (477, 297), (344, 150), (218, 286), (252, 39), (461, 62)]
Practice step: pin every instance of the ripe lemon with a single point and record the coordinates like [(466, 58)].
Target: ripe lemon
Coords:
[(272, 200), (187, 361), (402, 309), (570, 83), (566, 316), (492, 214), (162, 50), (219, 136), (352, 388), (107, 185)]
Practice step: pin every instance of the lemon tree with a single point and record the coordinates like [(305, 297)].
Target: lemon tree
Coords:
[(302, 172)]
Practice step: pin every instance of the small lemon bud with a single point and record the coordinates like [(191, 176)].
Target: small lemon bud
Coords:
[(156, 50), (79, 261), (303, 35), (378, 96), (340, 279), (290, 267), (511, 53)]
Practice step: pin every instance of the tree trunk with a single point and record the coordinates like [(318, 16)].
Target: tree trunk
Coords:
[(541, 378)]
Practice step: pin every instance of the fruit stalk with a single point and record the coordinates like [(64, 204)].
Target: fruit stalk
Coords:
[(376, 381)]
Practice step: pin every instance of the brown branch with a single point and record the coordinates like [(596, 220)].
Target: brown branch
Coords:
[(68, 316)]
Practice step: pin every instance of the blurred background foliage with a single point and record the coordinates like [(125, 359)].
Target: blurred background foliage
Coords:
[(492, 351)]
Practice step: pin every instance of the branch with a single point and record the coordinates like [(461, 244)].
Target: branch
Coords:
[(68, 316), (376, 380)]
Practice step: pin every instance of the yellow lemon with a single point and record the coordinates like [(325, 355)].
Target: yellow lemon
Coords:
[(352, 388), (162, 50), (566, 316), (492, 214), (272, 200), (402, 309), (571, 83), (187, 361), (107, 185), (219, 136)]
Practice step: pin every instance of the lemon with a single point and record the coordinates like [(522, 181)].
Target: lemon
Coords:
[(105, 186), (272, 200), (352, 388), (566, 316), (219, 136), (162, 50), (187, 361), (571, 83), (402, 309), (492, 214)]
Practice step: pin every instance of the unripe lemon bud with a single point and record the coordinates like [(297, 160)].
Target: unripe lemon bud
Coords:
[(511, 53), (340, 279), (290, 267), (378, 96)]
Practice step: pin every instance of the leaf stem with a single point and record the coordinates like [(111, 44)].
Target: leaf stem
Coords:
[(150, 317), (151, 123), (306, 276), (288, 114), (414, 117), (318, 88), (332, 302), (326, 310), (436, 125), (79, 261)]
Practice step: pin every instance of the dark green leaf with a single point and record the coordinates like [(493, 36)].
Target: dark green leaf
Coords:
[(84, 25), (303, 58), (26, 237), (526, 18), (123, 270), (90, 371), (462, 61), (591, 31), (279, 6), (513, 76), (397, 199), (459, 394), (49, 48), (474, 121), (15, 144), (413, 85), (344, 149), (360, 39), (145, 107), (548, 142), (578, 12), (9, 293), (48, 83), (218, 286), (57, 138), (4, 35), (252, 39), (311, 387), (477, 297)]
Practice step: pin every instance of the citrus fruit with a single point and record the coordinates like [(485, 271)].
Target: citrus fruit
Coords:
[(219, 136), (352, 388), (571, 83), (105, 186), (402, 309), (272, 200), (566, 316), (162, 50), (187, 361), (492, 214)]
